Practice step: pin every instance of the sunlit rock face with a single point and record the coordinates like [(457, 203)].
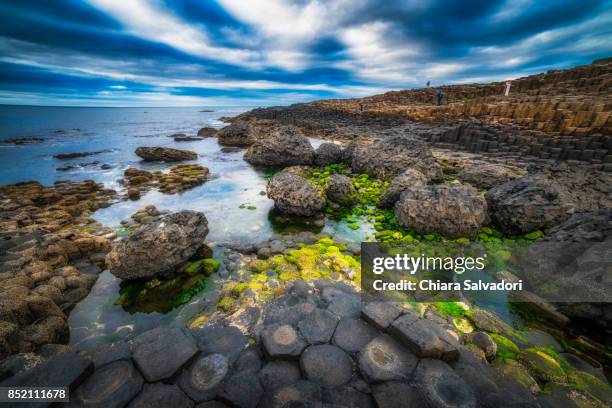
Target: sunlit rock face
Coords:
[(156, 250)]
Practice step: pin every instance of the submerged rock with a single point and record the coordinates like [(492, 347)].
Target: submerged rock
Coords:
[(454, 211), (294, 195), (165, 154), (328, 153), (287, 147), (409, 178), (391, 156), (526, 204), (207, 132), (158, 249)]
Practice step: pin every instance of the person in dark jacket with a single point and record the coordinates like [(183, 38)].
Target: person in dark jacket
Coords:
[(440, 97)]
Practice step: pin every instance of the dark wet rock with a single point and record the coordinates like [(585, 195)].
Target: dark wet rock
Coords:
[(249, 360), (384, 359), (287, 147), (158, 249), (282, 341), (327, 365), (381, 314), (539, 338), (391, 156), (408, 179), (113, 385), (352, 334), (294, 195), (203, 379), (161, 396), (165, 154), (185, 138), (277, 374), (328, 153), (318, 327), (516, 379), (451, 210), (110, 353), (211, 404), (543, 367), (207, 132), (75, 155), (484, 342), (299, 394), (340, 189), (424, 337), (396, 394), (161, 352), (479, 377), (229, 341), (287, 309), (581, 365), (238, 134), (64, 370), (242, 390), (347, 397), (486, 176), (23, 140), (441, 387), (526, 204), (133, 194), (342, 303), (486, 321)]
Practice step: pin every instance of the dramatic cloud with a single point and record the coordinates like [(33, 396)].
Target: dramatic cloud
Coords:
[(262, 52)]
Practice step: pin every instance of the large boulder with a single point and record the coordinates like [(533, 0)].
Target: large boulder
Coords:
[(294, 195), (408, 179), (158, 249), (328, 153), (165, 154), (239, 133), (451, 210), (391, 156), (340, 189), (287, 147), (486, 176), (526, 204)]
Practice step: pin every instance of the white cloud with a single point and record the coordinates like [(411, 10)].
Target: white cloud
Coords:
[(145, 19)]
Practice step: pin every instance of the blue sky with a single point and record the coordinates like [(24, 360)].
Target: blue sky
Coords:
[(273, 52)]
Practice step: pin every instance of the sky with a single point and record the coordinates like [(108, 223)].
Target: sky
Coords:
[(276, 52)]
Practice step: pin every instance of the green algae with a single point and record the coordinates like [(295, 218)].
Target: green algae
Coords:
[(157, 295), (207, 266), (542, 364), (453, 309), (506, 349), (322, 260), (226, 303)]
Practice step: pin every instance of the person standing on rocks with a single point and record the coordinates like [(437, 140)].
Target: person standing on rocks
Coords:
[(440, 97)]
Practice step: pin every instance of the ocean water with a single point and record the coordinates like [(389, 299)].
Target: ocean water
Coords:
[(117, 132)]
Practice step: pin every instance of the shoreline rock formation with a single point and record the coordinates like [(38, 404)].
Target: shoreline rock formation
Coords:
[(165, 154), (158, 249)]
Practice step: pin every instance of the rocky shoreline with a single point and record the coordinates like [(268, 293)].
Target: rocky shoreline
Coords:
[(286, 324)]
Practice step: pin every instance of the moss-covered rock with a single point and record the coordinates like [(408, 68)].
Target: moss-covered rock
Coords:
[(206, 266), (506, 349), (592, 385), (542, 365)]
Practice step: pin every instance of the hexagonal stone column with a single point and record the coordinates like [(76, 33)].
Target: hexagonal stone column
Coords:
[(282, 341), (113, 385), (383, 359), (440, 386), (327, 365), (161, 352), (202, 380)]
